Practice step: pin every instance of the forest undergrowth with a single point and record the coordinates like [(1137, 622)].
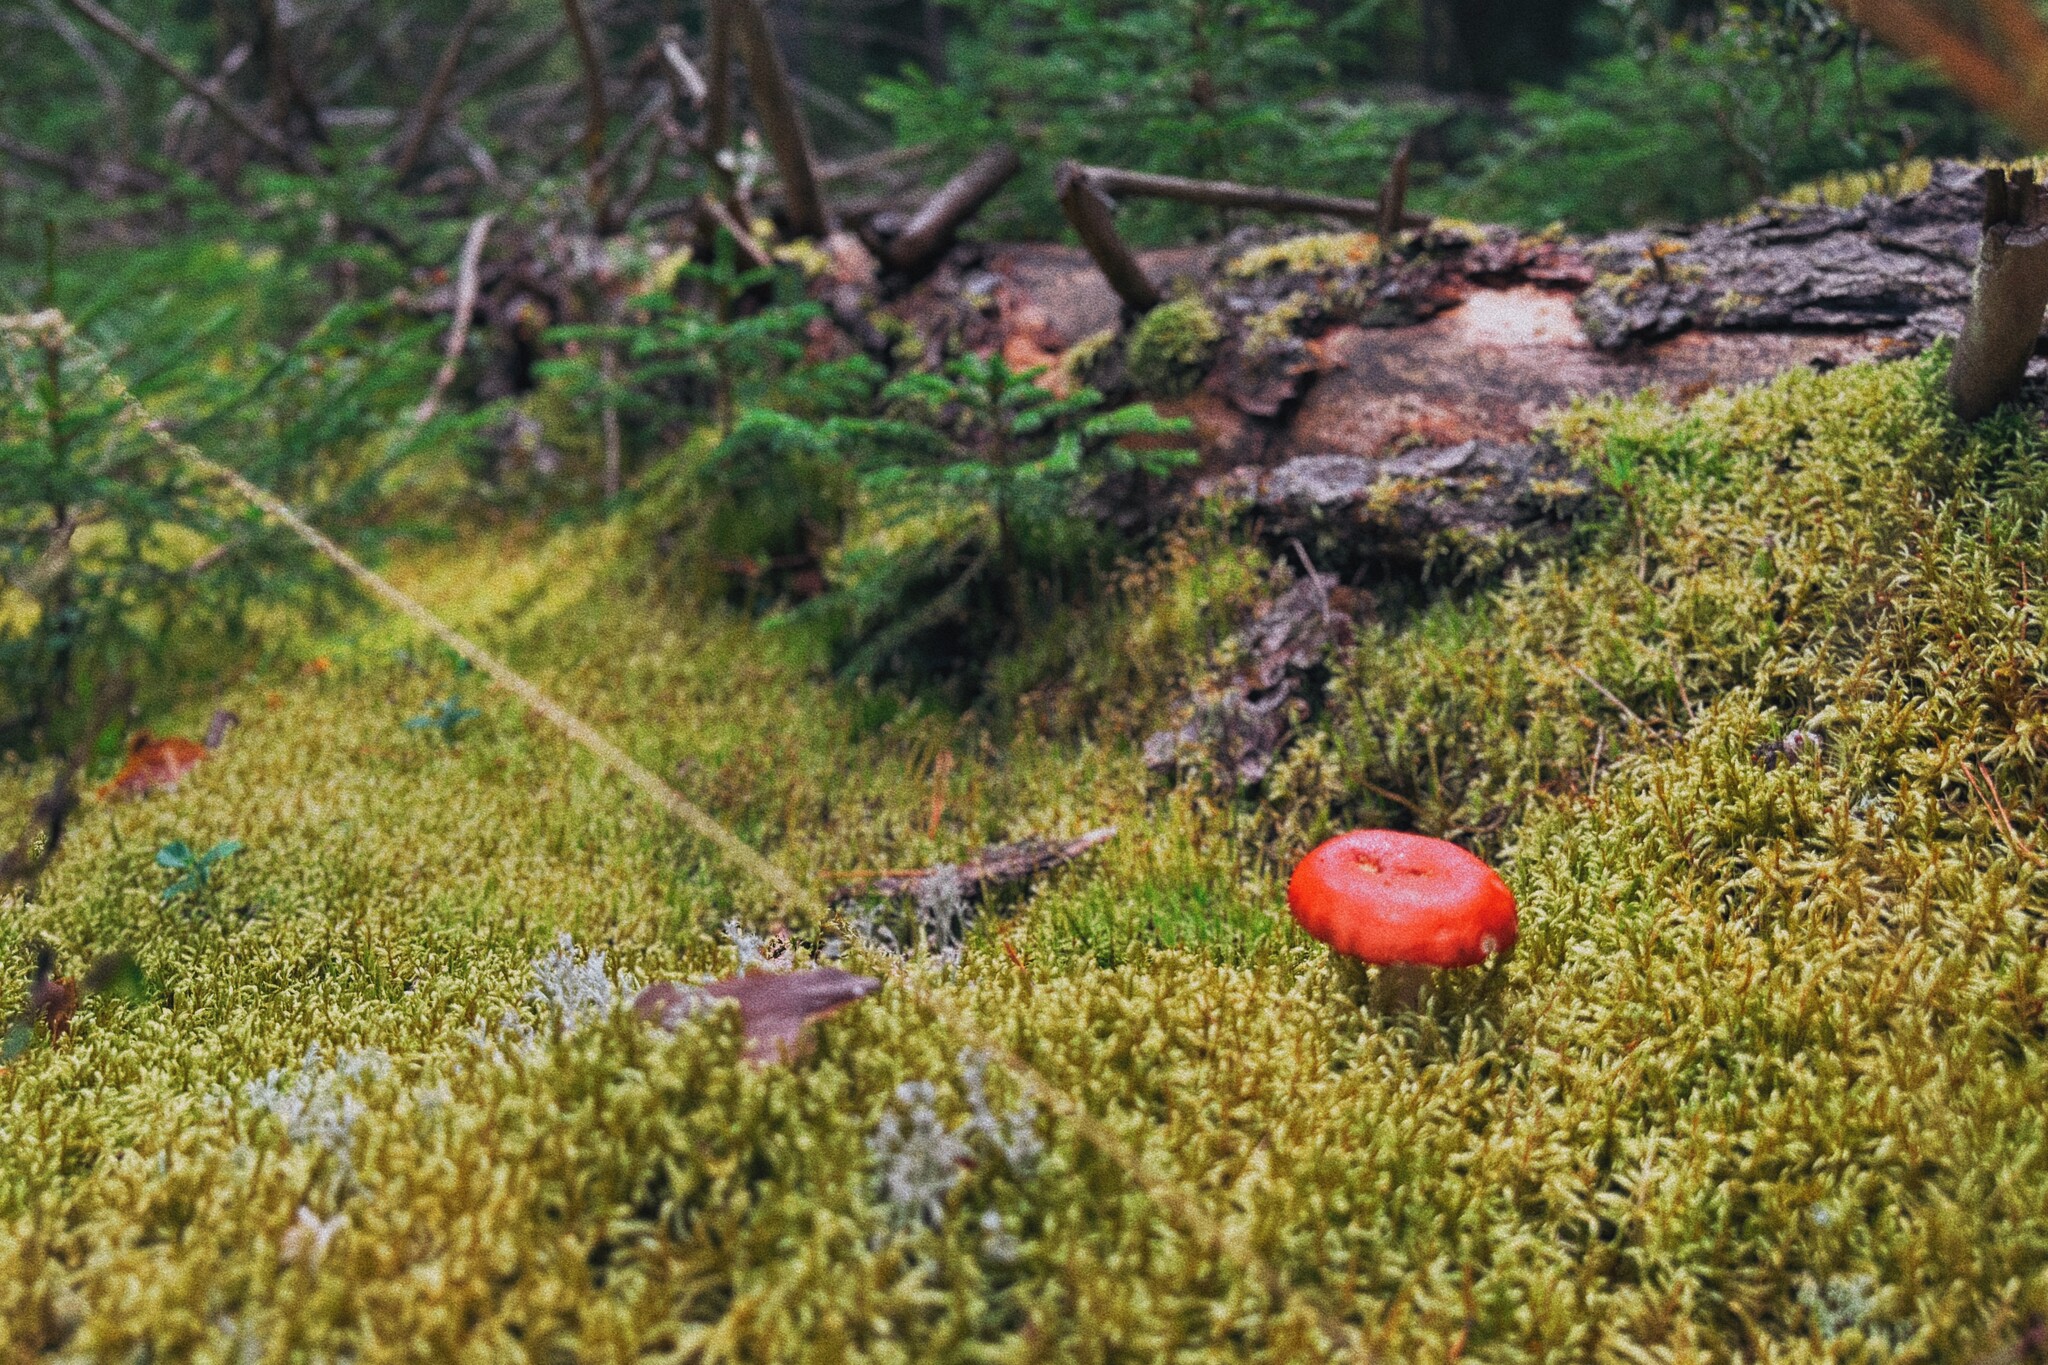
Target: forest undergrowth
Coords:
[(1766, 1076)]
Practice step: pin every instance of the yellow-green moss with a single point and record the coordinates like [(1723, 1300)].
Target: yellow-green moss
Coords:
[(1314, 253), (1764, 1078), (1170, 345)]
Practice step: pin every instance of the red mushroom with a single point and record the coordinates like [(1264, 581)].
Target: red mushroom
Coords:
[(1405, 903)]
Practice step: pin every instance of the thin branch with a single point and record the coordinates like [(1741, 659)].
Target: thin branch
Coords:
[(465, 304), (109, 176), (1230, 195), (429, 114), (115, 27), (593, 86), (1994, 802), (743, 239)]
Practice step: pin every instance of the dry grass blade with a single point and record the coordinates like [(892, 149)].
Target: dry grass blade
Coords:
[(1985, 788)]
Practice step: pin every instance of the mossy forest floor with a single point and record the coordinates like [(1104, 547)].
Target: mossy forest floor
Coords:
[(1767, 1078)]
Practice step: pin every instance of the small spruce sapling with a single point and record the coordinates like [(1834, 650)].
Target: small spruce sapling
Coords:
[(973, 480), (443, 717), (195, 869)]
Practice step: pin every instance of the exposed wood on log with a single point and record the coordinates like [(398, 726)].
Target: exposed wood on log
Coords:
[(1090, 215), (930, 230), (782, 122), (267, 138), (429, 115), (1394, 195), (997, 865), (1230, 195), (2008, 297)]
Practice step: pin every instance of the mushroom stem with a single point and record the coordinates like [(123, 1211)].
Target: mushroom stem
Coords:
[(1400, 985)]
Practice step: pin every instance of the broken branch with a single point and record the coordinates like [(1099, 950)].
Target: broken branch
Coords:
[(2008, 296), (930, 230), (782, 122), (1089, 213), (1394, 195)]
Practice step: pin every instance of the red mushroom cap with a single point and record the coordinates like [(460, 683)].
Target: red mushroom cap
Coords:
[(1390, 898)]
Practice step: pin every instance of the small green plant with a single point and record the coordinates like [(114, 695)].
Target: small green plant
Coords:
[(973, 482), (444, 717), (195, 870)]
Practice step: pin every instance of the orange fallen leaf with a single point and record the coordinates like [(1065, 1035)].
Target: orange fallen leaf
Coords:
[(153, 765), (319, 667)]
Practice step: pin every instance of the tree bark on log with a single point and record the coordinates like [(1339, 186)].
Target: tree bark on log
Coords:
[(1088, 211), (930, 230), (1230, 195), (782, 122), (2008, 297)]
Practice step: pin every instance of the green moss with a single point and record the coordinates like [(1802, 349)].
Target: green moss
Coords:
[(1078, 363), (1170, 345), (1764, 1078)]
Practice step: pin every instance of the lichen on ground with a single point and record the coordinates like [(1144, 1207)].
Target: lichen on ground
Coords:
[(1765, 1079)]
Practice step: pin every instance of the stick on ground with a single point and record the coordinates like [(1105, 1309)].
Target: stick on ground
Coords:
[(931, 229), (1090, 214), (1226, 194)]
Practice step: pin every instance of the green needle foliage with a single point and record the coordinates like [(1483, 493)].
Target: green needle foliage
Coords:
[(974, 481)]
